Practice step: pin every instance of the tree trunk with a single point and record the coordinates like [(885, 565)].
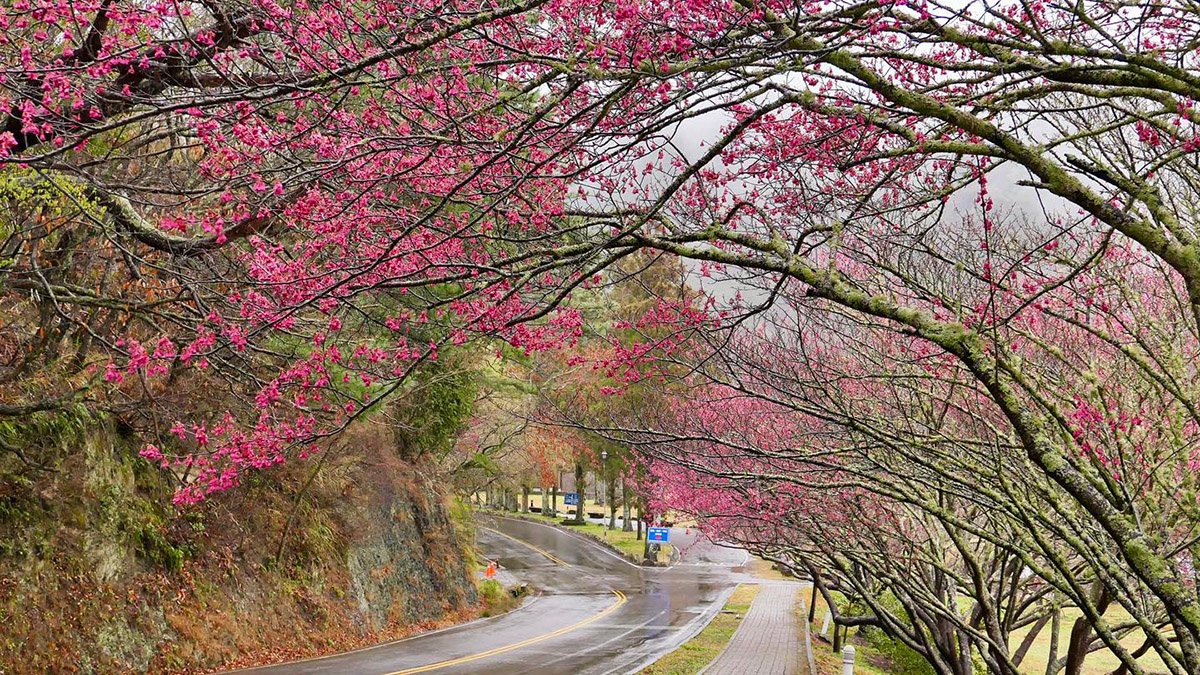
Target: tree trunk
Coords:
[(580, 486), (554, 500), (965, 667), (626, 526), (524, 499), (1081, 632), (1055, 626), (612, 505), (812, 603)]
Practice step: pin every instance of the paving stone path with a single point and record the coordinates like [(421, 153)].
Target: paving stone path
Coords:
[(768, 640)]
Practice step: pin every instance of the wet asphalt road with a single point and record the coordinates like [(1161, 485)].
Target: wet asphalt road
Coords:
[(595, 612)]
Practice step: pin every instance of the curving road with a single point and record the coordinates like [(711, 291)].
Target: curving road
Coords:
[(596, 613)]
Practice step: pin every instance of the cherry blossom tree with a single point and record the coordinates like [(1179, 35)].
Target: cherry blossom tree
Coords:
[(854, 452), (852, 195), (285, 203), (959, 235)]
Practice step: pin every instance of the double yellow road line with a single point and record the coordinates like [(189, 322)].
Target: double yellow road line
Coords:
[(621, 599)]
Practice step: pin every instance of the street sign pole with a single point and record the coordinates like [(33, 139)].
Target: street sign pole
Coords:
[(657, 536)]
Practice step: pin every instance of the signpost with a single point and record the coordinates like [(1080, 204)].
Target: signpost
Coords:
[(571, 499), (660, 535)]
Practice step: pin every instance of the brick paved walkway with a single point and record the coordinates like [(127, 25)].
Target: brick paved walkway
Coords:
[(768, 641)]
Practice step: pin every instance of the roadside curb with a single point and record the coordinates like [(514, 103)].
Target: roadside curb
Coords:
[(806, 641)]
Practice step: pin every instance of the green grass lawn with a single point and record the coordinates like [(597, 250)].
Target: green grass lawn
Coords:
[(1097, 662), (870, 660), (626, 542), (698, 652)]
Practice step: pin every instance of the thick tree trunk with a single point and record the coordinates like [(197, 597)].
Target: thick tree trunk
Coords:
[(580, 487), (965, 667), (626, 526), (1081, 632), (524, 499), (1055, 628), (612, 504), (554, 501)]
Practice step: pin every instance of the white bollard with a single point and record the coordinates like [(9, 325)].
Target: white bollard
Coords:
[(848, 660), (825, 625)]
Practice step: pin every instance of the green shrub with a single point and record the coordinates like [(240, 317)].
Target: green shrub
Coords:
[(904, 659), (495, 599), (491, 592)]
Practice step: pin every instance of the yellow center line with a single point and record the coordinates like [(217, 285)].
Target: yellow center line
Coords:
[(553, 558), (517, 645)]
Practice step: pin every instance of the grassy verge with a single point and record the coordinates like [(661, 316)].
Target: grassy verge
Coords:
[(765, 569), (626, 543), (698, 652)]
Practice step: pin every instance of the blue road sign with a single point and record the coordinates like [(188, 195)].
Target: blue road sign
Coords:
[(571, 498), (658, 534)]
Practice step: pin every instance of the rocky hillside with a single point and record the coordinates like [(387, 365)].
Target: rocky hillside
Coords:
[(99, 573)]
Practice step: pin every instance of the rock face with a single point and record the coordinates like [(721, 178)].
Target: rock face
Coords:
[(407, 565), (98, 573)]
